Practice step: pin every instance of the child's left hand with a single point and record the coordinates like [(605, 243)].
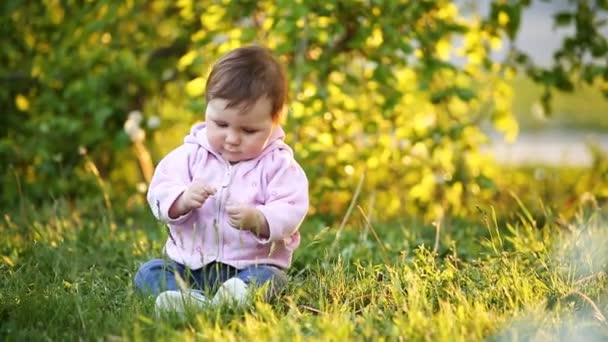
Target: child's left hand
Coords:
[(247, 218)]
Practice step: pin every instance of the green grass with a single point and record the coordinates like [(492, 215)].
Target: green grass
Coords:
[(66, 273)]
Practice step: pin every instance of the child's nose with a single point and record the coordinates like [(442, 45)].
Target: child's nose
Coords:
[(232, 137)]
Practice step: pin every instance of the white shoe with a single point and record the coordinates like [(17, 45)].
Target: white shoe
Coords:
[(232, 290), (178, 302)]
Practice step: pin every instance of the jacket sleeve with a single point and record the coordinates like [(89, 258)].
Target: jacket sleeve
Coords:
[(286, 196), (171, 178)]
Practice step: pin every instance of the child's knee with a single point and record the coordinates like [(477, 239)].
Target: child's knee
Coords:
[(271, 279), (148, 274)]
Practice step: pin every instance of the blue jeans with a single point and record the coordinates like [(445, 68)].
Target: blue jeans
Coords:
[(158, 275)]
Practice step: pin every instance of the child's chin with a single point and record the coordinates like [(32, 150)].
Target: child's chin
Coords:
[(233, 159)]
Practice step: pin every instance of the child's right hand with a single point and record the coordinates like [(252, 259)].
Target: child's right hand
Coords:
[(194, 197)]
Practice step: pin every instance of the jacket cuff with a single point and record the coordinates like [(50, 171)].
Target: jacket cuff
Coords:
[(166, 204), (274, 234)]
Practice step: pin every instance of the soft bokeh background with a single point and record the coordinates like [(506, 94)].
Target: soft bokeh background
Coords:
[(457, 155), (407, 98)]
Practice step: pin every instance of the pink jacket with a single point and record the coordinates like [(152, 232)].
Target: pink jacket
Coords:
[(274, 183)]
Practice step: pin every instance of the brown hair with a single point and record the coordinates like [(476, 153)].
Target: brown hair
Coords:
[(244, 75)]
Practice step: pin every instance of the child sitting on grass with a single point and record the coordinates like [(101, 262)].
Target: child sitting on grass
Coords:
[(232, 195)]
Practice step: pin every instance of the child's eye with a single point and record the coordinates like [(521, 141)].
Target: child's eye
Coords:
[(249, 131), (221, 124)]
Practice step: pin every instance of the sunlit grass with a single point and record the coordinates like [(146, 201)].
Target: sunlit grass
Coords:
[(66, 273)]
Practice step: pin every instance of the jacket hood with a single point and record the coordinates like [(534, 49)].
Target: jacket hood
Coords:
[(198, 135)]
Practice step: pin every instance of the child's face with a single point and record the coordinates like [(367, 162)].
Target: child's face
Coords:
[(235, 134)]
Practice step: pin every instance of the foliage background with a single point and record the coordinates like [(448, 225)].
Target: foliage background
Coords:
[(95, 92)]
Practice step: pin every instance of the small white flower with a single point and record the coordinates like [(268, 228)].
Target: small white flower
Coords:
[(132, 124), (439, 178), (370, 66), (82, 150), (141, 187), (130, 127), (246, 22), (538, 111), (136, 116), (167, 74), (220, 38), (153, 122)]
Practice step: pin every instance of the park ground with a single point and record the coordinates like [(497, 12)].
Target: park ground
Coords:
[(67, 274)]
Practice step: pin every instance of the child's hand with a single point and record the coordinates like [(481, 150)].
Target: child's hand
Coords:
[(194, 197), (247, 218)]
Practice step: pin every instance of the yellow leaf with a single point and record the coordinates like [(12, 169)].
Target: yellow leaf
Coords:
[(196, 87), (326, 139), (56, 13), (506, 124), (297, 109), (337, 77), (454, 194), (375, 39), (345, 152), (186, 60), (268, 22), (423, 190), (235, 33), (424, 121), (475, 56), (323, 21), (22, 103), (198, 35), (7, 261), (503, 18), (448, 11), (442, 49), (145, 319), (212, 16), (323, 36), (496, 43), (373, 162)]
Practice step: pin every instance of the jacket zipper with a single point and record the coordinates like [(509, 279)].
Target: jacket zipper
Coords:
[(221, 205)]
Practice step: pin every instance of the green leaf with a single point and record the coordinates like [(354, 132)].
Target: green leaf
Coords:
[(101, 115), (545, 101), (485, 182), (563, 18), (465, 94), (440, 96)]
